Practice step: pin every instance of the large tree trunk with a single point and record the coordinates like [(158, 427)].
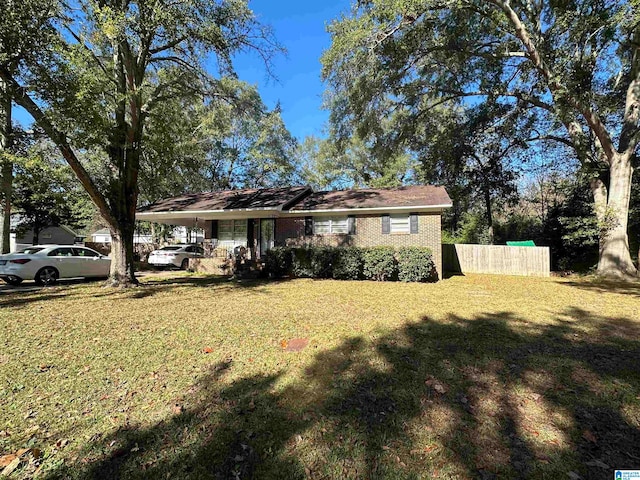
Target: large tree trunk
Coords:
[(615, 257), (5, 213), (122, 273), (6, 168)]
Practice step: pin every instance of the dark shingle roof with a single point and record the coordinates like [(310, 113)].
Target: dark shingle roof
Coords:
[(270, 198), (409, 196)]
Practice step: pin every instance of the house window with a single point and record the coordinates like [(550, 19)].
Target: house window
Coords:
[(325, 225), (400, 224), (232, 230)]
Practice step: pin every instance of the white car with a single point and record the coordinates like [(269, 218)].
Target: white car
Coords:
[(47, 263), (174, 256)]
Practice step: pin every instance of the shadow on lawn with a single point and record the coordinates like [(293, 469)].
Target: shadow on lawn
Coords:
[(607, 286), (148, 288), (487, 397)]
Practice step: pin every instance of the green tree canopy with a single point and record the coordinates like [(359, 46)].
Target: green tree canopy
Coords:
[(577, 64), (107, 65)]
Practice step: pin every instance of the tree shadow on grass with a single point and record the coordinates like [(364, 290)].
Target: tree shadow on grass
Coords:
[(148, 288), (606, 286), (493, 396)]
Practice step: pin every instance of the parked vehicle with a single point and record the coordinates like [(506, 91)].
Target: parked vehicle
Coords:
[(174, 256), (47, 263)]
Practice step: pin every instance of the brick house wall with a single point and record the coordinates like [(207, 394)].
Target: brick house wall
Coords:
[(290, 232)]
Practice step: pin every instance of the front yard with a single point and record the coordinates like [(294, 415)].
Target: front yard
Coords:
[(189, 377)]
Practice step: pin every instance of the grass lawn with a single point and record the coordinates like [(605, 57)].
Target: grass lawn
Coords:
[(191, 377)]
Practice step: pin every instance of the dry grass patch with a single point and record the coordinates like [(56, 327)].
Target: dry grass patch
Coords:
[(187, 377)]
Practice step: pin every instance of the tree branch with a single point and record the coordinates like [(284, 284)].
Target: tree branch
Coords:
[(90, 51), (22, 98), (554, 85)]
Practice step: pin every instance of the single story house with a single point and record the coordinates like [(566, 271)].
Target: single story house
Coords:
[(259, 219)]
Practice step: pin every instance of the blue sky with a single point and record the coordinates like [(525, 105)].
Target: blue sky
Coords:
[(299, 25)]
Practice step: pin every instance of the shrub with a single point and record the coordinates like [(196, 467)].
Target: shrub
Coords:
[(301, 262), (415, 264), (278, 261), (348, 263), (322, 261), (379, 263)]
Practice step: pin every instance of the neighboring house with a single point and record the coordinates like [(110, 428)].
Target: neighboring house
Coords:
[(101, 236), (179, 235), (258, 219), (104, 236), (48, 236), (61, 235)]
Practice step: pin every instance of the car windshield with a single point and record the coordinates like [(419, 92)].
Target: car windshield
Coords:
[(31, 250), (170, 248)]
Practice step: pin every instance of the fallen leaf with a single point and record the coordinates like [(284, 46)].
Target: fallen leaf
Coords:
[(62, 443), (8, 470), (435, 384), (589, 436), (438, 387), (7, 459), (207, 349), (23, 451), (283, 343)]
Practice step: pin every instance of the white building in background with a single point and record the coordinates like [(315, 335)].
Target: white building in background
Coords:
[(179, 235)]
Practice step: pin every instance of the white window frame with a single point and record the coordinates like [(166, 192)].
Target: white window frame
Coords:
[(331, 225), (235, 231), (400, 224)]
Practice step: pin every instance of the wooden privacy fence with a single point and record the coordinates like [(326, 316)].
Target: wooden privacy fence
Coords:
[(499, 259)]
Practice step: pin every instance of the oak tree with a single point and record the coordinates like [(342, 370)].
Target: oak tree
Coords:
[(577, 63), (109, 64)]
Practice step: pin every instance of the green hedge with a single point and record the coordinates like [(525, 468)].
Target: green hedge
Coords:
[(415, 264), (348, 264), (278, 262), (380, 264), (408, 264)]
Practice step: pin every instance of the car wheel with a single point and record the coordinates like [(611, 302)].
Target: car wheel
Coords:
[(46, 276), (185, 264), (13, 280)]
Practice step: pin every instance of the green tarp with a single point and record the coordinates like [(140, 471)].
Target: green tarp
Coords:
[(521, 243)]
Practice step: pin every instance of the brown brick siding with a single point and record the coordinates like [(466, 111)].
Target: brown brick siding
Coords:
[(290, 231)]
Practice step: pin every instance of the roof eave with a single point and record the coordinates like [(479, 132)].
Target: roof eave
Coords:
[(401, 208)]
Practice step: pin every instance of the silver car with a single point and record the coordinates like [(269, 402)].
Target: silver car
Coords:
[(174, 256), (47, 263)]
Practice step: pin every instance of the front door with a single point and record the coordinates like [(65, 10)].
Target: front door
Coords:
[(267, 235)]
